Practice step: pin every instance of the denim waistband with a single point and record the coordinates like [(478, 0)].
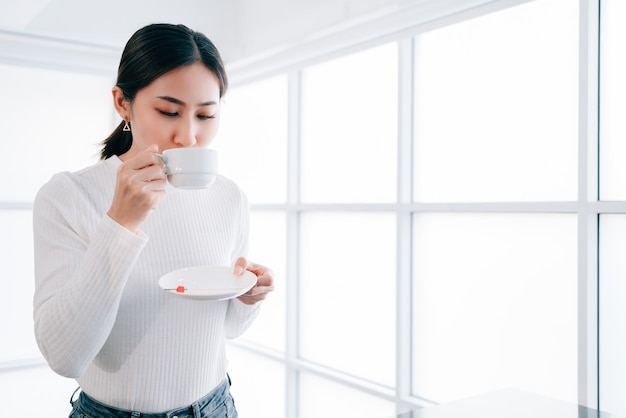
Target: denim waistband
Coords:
[(213, 400)]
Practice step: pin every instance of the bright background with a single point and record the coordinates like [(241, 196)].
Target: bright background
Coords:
[(442, 207)]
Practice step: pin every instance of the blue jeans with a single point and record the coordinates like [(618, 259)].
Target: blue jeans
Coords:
[(217, 404)]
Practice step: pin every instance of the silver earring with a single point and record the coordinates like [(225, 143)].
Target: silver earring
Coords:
[(126, 127)]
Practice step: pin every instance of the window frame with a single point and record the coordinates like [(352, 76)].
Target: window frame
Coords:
[(586, 207)]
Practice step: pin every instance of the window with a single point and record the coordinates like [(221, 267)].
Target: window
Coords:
[(347, 258), (612, 96), (252, 139), (349, 123), (613, 220), (52, 121), (496, 121), (487, 196), (495, 304), (496, 106), (252, 143), (347, 288)]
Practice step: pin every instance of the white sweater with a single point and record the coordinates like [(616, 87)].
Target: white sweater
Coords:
[(100, 315)]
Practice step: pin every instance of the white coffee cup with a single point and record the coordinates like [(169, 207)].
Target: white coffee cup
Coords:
[(190, 168)]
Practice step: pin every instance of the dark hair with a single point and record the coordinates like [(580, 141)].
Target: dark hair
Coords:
[(151, 52)]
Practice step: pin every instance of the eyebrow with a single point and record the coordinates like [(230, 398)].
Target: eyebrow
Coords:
[(180, 102)]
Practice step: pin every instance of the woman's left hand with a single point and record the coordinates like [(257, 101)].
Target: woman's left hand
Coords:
[(264, 283)]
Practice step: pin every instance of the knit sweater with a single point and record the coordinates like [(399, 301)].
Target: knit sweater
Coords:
[(100, 315)]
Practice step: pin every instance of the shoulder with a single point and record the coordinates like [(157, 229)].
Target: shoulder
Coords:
[(226, 195), (227, 187), (65, 187)]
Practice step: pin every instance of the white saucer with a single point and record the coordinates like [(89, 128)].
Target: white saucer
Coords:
[(207, 282)]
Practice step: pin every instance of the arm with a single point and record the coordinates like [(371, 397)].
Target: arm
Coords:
[(79, 278), (243, 310)]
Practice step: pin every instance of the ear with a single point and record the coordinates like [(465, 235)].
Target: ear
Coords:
[(122, 106)]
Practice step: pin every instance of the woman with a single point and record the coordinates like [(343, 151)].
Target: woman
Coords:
[(105, 234)]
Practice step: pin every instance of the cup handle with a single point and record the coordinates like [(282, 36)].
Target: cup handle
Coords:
[(163, 160)]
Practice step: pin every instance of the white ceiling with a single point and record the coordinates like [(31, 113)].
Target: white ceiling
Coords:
[(239, 28), (262, 32), (111, 22)]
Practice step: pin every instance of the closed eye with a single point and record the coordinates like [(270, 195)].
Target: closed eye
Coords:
[(171, 114), (205, 117)]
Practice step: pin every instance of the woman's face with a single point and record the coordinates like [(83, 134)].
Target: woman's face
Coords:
[(178, 109)]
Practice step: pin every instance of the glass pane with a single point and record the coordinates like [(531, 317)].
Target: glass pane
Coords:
[(52, 121), (320, 397), (268, 247), (252, 139), (349, 128), (348, 266), (612, 290), (53, 392), (497, 107), (18, 286), (612, 100), (495, 304), (258, 384)]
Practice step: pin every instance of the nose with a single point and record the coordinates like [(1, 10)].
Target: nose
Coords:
[(185, 134)]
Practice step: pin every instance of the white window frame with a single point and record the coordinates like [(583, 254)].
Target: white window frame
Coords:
[(587, 207)]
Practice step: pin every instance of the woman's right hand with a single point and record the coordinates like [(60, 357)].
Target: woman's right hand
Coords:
[(139, 188)]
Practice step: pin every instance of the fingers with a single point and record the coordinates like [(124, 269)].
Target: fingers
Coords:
[(140, 186), (141, 174), (144, 159), (241, 265), (264, 284), (254, 295), (259, 292), (150, 177), (265, 276)]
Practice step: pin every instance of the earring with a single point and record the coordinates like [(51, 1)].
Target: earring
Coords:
[(126, 127)]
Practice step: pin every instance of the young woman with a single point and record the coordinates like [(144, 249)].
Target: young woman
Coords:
[(104, 235)]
